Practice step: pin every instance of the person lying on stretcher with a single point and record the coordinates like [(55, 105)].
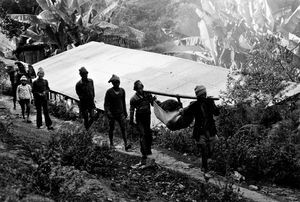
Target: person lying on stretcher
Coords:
[(170, 113), (175, 116)]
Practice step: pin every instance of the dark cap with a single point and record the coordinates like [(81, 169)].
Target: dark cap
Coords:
[(83, 70), (136, 84), (114, 78)]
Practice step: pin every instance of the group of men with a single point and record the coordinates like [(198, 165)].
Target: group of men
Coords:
[(115, 109), (25, 92), (202, 110)]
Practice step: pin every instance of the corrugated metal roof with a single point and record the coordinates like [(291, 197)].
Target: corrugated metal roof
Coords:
[(158, 72)]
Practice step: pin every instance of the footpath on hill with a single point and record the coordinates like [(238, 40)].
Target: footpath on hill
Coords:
[(155, 184)]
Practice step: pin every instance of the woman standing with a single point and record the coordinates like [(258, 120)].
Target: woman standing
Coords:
[(24, 97)]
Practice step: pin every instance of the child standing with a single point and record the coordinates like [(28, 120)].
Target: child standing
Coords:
[(24, 97)]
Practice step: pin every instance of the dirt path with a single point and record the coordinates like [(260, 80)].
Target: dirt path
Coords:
[(185, 168), (266, 194), (12, 158), (164, 160)]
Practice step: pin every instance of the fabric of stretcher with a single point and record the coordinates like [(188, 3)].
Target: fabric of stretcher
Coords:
[(173, 120)]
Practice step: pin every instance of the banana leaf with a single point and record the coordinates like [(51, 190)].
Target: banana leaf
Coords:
[(7, 62), (45, 4), (292, 22), (69, 6), (51, 35), (86, 10), (31, 34), (279, 7), (64, 16), (104, 13), (61, 35), (104, 25), (47, 17), (25, 18), (139, 35)]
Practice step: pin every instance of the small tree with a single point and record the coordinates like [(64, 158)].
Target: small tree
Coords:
[(268, 69), (10, 27)]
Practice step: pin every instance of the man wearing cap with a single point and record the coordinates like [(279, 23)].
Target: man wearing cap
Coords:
[(204, 127), (24, 97), (115, 109), (40, 89), (140, 105), (86, 93)]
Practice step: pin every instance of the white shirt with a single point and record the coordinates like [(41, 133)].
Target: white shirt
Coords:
[(24, 92)]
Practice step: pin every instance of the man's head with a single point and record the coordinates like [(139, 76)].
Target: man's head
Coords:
[(83, 72), (41, 73), (200, 91), (115, 80), (23, 80), (138, 86)]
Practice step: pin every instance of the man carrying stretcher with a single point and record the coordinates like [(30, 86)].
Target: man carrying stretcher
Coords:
[(204, 131), (202, 111), (140, 106)]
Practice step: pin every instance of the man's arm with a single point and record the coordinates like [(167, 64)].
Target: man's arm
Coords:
[(188, 109), (107, 104), (124, 103), (17, 94), (77, 89), (47, 87), (131, 110), (215, 109), (34, 90), (30, 91), (93, 89), (151, 98)]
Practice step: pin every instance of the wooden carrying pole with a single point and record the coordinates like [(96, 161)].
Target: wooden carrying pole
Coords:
[(176, 95)]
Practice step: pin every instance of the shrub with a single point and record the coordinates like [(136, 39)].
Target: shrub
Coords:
[(232, 118), (180, 140), (60, 110), (78, 150), (5, 85), (69, 149), (261, 154)]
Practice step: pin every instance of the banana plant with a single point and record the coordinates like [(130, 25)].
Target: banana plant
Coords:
[(71, 21), (236, 26)]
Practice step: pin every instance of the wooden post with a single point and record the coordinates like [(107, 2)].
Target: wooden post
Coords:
[(176, 95)]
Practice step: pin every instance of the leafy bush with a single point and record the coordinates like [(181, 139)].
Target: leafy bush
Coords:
[(260, 142), (260, 153), (232, 118), (5, 86), (180, 140), (60, 110), (78, 150)]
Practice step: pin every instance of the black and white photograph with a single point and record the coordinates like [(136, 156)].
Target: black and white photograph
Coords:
[(150, 100)]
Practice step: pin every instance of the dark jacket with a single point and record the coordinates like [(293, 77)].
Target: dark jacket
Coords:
[(40, 89), (114, 103), (86, 93), (140, 104), (203, 110), (85, 90)]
